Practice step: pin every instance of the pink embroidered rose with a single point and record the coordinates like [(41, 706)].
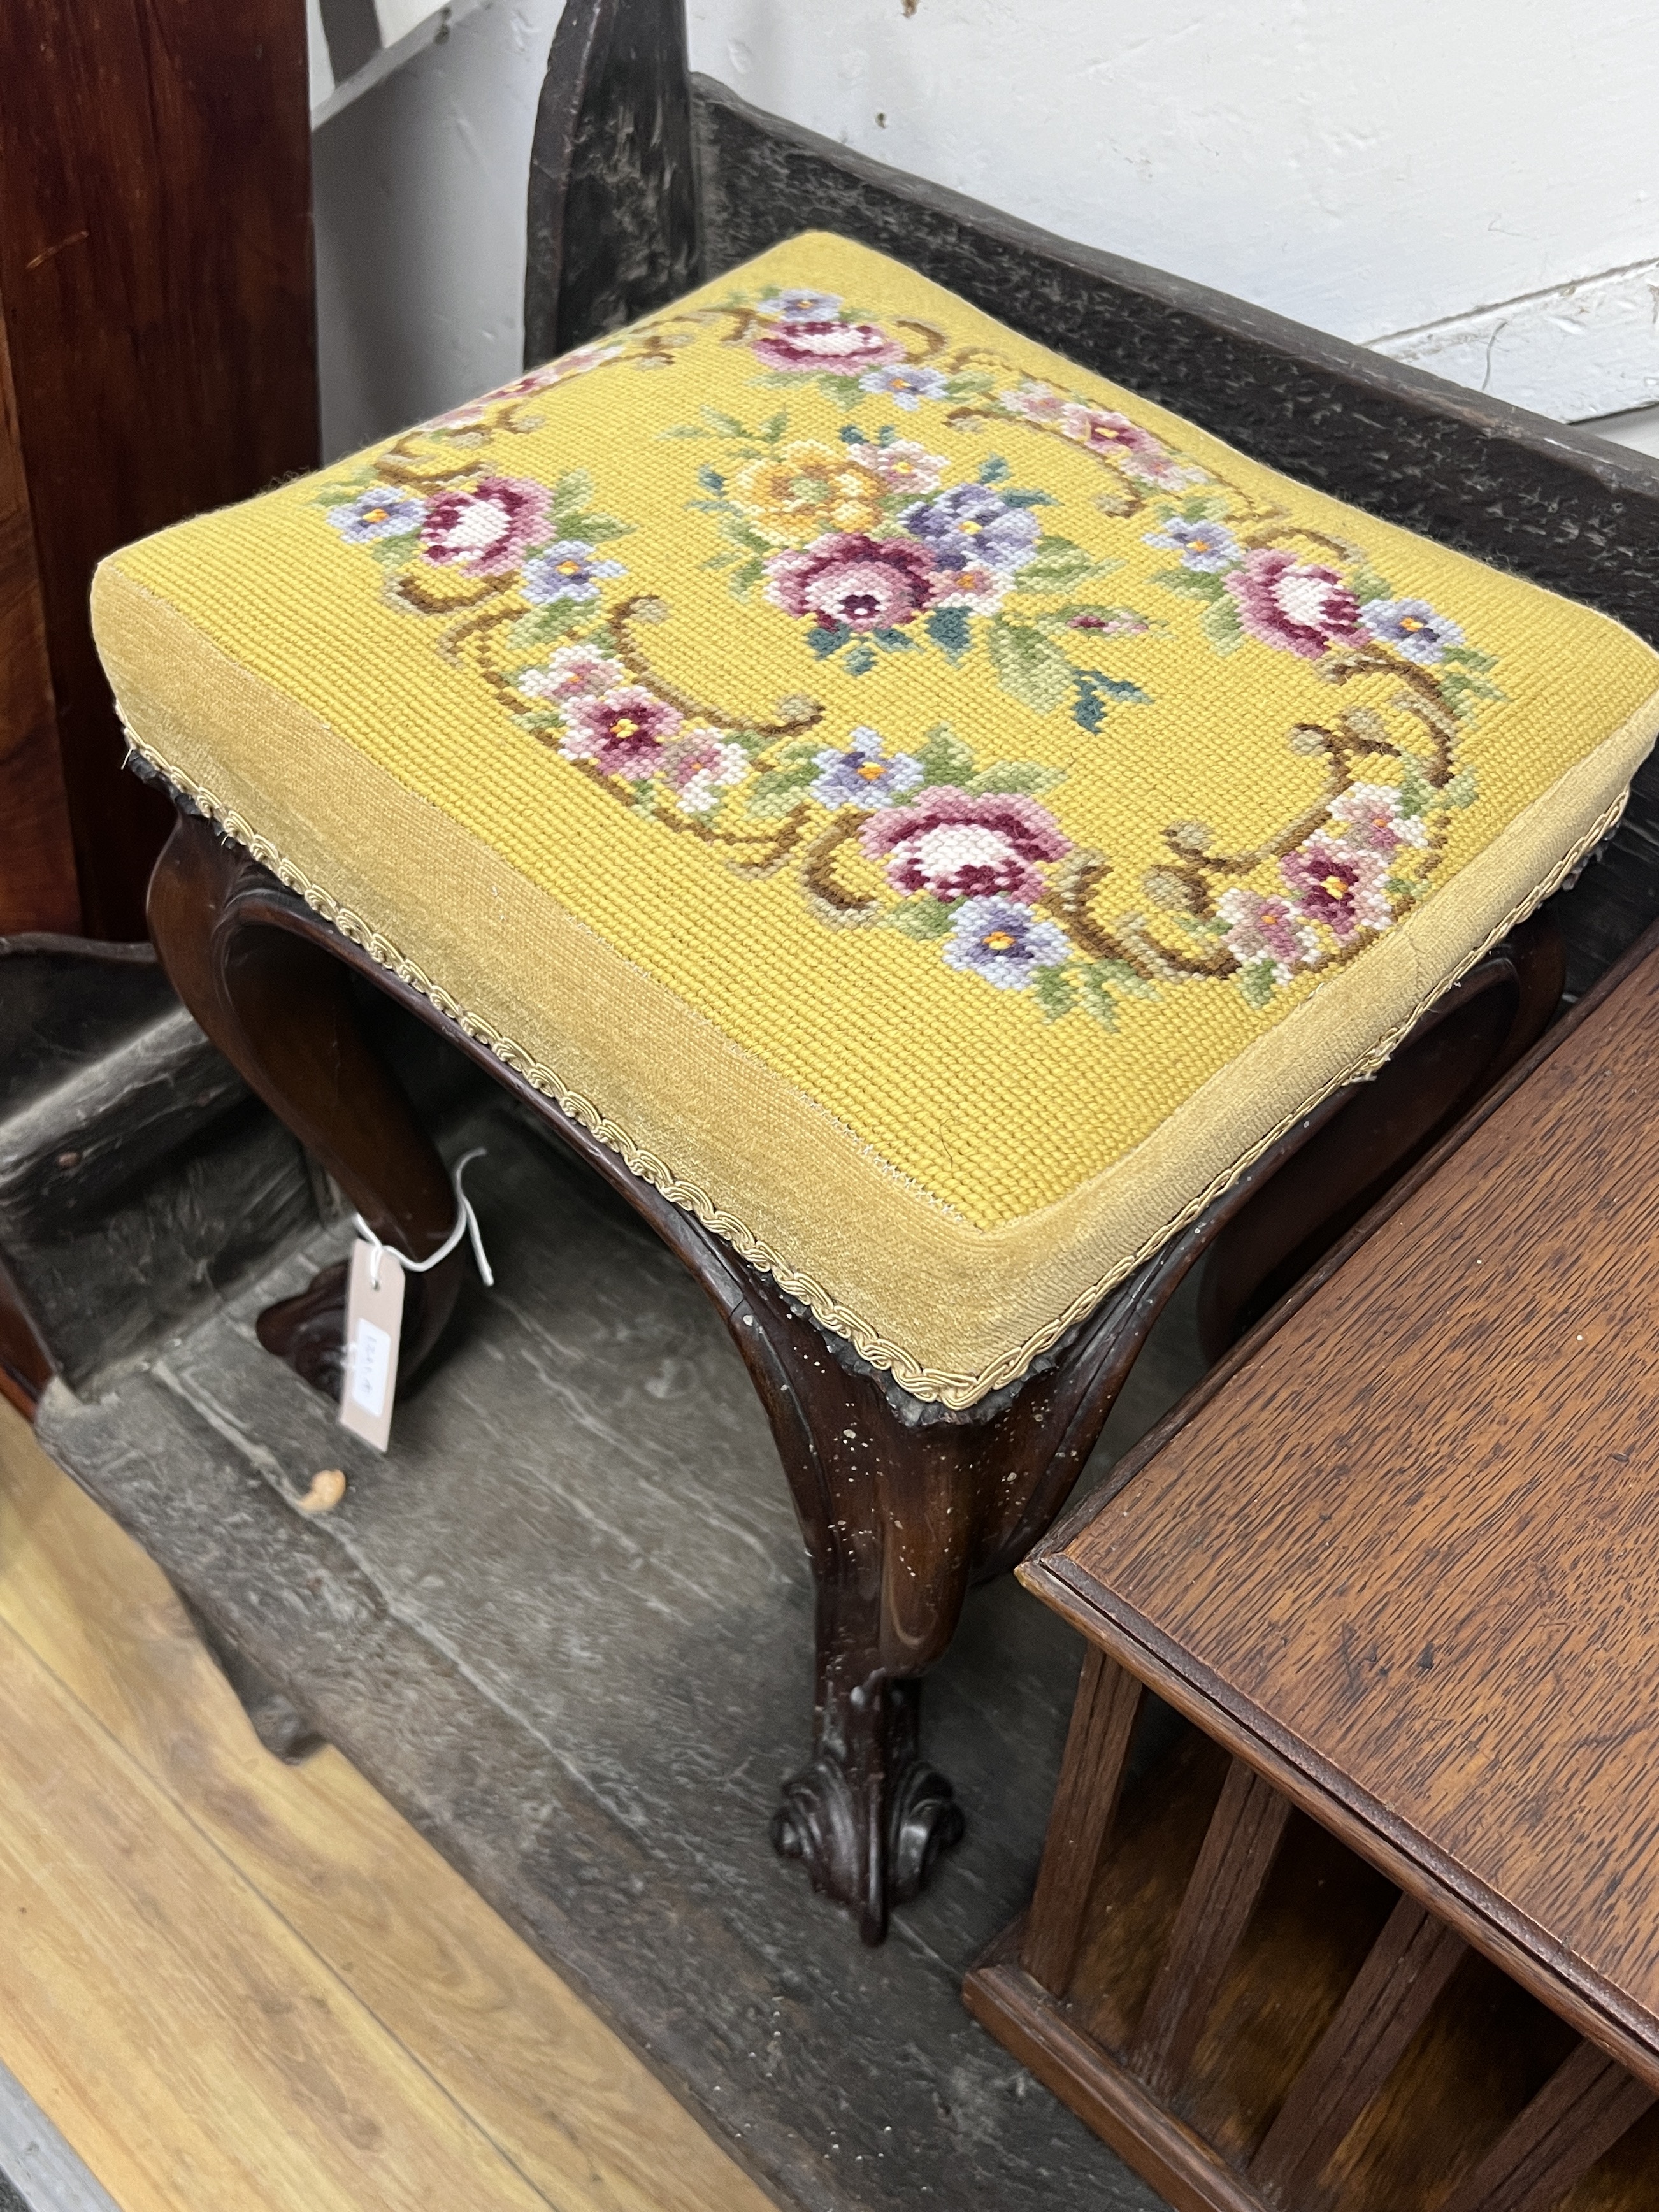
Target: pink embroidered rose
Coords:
[(854, 582), (1343, 890), (843, 349), (959, 844), (904, 465), (1035, 402), (1260, 928), (1295, 605), (574, 671), (624, 732), (1367, 815), (485, 529), (701, 767)]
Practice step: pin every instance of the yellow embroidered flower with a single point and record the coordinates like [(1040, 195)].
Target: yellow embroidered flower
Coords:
[(807, 490)]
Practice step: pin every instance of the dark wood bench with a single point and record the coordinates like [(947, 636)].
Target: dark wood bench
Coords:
[(1383, 1927)]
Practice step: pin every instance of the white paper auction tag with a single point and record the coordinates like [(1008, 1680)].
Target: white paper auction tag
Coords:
[(375, 1319)]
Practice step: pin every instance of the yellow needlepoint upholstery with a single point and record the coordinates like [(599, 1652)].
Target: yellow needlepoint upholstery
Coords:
[(935, 814)]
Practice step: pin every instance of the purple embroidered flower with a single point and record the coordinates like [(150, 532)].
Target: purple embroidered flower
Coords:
[(959, 844), (907, 384), (1209, 547), (485, 529), (701, 767), (1004, 942), (375, 513), (812, 346), (906, 466), (971, 526), (854, 582), (794, 305), (574, 671), (1294, 604), (865, 776), (1343, 890), (625, 732), (1412, 626), (1267, 928), (568, 570), (1368, 817)]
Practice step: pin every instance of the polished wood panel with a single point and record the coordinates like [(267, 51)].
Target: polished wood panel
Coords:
[(479, 2040), (156, 285), (1415, 1552), (38, 885)]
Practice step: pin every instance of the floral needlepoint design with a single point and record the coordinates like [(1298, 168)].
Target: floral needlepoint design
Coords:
[(1004, 942), (1208, 547), (1297, 604), (1342, 889), (906, 384), (865, 776), (863, 548), (808, 490), (568, 570), (485, 527), (1267, 929), (849, 583), (574, 671), (377, 513), (1413, 628), (956, 844), (799, 347), (973, 527), (624, 732), (1368, 816), (699, 768)]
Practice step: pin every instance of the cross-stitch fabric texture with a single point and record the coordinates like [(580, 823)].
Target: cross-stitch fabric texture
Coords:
[(935, 813)]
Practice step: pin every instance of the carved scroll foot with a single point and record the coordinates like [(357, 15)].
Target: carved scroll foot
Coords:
[(868, 1816), (309, 1330)]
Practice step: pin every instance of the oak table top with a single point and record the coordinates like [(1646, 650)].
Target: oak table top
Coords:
[(1401, 1552)]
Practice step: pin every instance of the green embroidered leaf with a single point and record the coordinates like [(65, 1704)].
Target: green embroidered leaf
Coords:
[(343, 494), (949, 629), (1220, 624), (1462, 791), (1196, 583), (1365, 584), (1095, 990), (1405, 887), (860, 660), (596, 529), (544, 625), (394, 552), (573, 489), (850, 434), (1031, 667), (992, 469), (1122, 977), (779, 791), (973, 384), (711, 479), (894, 641), (825, 638), (1465, 656), (727, 425), (1417, 793), (1029, 498), (1460, 692), (1056, 565), (943, 757), (745, 534), (1018, 775), (1255, 981), (744, 580), (921, 917), (773, 428), (844, 389), (1203, 507), (1054, 992), (717, 561)]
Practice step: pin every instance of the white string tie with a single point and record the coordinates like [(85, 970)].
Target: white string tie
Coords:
[(466, 1224)]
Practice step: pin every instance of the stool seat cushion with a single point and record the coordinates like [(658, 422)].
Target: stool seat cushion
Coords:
[(935, 814)]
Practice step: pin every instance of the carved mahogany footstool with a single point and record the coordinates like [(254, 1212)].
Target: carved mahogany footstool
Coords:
[(1380, 1927), (939, 833)]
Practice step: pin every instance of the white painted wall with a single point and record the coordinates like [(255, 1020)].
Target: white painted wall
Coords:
[(1469, 184)]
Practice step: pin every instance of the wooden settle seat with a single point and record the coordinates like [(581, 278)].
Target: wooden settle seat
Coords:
[(1362, 1909)]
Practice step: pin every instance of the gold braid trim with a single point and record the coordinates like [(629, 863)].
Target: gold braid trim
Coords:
[(931, 1384)]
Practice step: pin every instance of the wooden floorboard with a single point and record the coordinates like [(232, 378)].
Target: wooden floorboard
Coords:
[(233, 1984)]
